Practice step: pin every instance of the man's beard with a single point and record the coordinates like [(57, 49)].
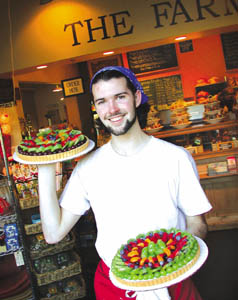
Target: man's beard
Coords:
[(123, 130)]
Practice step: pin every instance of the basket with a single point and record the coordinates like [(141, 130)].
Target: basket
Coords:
[(29, 202), (71, 270), (79, 292), (33, 228), (63, 245)]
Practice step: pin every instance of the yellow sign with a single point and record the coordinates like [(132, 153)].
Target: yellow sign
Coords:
[(72, 87)]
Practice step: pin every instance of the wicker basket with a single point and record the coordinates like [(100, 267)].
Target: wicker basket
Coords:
[(29, 202), (63, 245), (71, 270), (79, 292), (33, 228)]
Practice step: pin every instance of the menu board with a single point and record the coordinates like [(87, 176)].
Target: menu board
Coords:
[(164, 90), (98, 64), (151, 59), (230, 49)]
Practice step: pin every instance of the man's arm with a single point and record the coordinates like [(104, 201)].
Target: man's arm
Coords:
[(56, 221), (197, 225)]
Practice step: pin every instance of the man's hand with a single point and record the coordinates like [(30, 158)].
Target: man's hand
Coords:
[(197, 225)]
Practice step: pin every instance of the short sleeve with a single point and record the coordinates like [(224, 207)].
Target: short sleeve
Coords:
[(192, 199)]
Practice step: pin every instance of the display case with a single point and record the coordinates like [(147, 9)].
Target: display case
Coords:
[(55, 269), (215, 150), (13, 254)]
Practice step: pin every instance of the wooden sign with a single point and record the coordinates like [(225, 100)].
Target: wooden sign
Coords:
[(152, 59)]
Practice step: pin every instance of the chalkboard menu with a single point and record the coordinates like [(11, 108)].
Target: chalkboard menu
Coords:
[(96, 65), (164, 90), (230, 49), (151, 59)]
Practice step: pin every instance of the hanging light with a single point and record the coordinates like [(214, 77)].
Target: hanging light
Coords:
[(41, 67), (180, 38), (108, 53), (58, 88)]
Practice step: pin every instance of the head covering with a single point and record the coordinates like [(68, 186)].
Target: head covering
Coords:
[(129, 74)]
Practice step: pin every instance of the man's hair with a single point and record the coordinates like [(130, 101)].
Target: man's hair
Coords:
[(141, 111)]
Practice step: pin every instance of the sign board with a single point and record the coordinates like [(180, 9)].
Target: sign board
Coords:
[(72, 87), (163, 90), (186, 46), (230, 49), (90, 27), (152, 59)]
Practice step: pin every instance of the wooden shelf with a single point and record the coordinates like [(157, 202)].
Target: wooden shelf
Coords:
[(218, 175), (194, 129), (209, 154)]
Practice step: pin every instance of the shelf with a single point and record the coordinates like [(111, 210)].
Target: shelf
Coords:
[(194, 129), (11, 252), (33, 228), (8, 218), (212, 88), (29, 202), (208, 154), (3, 183), (218, 175)]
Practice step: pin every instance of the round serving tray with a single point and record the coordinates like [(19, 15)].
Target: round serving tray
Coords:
[(85, 151), (202, 258), (181, 126)]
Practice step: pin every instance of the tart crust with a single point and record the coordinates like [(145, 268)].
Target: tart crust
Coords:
[(162, 279), (53, 157)]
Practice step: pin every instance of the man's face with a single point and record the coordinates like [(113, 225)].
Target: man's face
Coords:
[(115, 104)]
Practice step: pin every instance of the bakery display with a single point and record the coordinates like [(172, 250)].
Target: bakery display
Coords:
[(52, 145), (155, 258)]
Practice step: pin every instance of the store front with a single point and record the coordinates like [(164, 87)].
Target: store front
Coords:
[(184, 79), (71, 39), (174, 73)]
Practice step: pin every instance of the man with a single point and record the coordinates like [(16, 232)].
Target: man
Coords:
[(135, 183)]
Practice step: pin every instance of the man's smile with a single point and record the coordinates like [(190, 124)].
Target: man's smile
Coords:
[(116, 118)]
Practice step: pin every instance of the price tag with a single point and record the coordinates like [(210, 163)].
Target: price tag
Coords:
[(19, 258)]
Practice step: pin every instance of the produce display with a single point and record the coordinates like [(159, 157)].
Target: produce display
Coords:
[(179, 116), (52, 144), (153, 120), (155, 257), (53, 263), (63, 289)]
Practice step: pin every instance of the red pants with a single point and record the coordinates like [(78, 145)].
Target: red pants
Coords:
[(106, 290)]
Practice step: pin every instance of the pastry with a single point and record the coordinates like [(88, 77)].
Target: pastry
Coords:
[(51, 145), (155, 258)]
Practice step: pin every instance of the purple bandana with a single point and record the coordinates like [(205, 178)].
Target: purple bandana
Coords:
[(129, 74)]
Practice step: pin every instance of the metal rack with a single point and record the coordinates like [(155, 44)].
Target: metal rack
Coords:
[(13, 216)]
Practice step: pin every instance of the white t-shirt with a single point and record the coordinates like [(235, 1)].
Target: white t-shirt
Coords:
[(150, 190)]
